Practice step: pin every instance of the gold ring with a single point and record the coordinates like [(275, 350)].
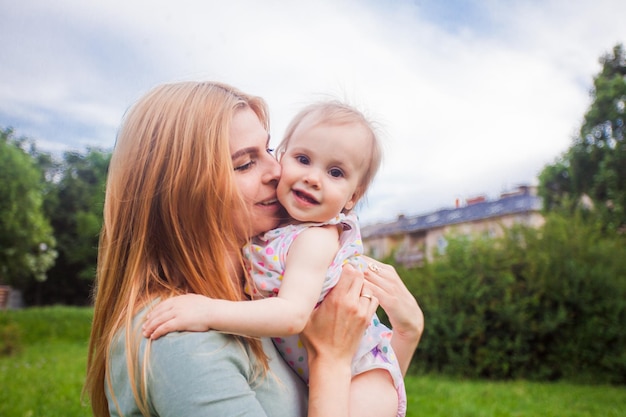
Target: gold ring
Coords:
[(373, 267), (366, 296)]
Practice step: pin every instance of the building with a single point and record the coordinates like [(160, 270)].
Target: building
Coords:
[(412, 239)]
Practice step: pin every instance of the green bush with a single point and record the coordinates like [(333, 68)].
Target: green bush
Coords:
[(541, 304)]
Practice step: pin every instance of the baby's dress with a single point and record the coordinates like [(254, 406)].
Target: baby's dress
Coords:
[(266, 256)]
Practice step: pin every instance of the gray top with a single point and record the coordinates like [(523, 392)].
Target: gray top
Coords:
[(208, 374)]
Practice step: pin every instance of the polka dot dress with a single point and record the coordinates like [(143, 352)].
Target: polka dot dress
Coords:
[(265, 257)]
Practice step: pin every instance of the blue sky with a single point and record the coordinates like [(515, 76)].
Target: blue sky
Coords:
[(474, 97)]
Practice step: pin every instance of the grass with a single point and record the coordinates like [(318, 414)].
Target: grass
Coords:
[(436, 396), (45, 378), (46, 374)]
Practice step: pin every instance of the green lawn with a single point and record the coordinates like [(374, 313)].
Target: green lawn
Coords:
[(46, 377), (44, 380), (437, 396)]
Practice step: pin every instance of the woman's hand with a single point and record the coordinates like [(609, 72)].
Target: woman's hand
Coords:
[(405, 315), (339, 322), (331, 339)]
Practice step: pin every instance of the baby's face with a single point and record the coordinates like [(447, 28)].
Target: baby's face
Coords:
[(322, 169)]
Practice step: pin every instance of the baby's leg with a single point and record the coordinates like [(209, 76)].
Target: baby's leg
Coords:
[(372, 394)]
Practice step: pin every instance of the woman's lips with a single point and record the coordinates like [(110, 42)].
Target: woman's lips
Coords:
[(268, 202)]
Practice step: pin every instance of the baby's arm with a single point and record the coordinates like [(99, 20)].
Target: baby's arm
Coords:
[(286, 314)]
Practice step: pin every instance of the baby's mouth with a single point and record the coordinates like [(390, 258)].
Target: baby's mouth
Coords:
[(305, 196)]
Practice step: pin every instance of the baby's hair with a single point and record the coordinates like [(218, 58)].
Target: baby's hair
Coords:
[(339, 113)]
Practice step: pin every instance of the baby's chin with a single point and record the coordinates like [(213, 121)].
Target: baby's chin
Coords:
[(308, 219)]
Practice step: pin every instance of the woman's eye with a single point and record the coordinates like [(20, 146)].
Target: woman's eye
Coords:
[(245, 166), (336, 173), (270, 151)]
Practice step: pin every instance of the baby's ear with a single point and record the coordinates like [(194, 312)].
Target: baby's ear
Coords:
[(353, 200)]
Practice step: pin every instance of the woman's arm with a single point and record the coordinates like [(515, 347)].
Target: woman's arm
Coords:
[(284, 315), (331, 339), (405, 315)]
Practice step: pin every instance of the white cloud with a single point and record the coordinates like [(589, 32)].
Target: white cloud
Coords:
[(473, 104)]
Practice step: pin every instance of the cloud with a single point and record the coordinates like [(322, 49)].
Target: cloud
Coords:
[(473, 97)]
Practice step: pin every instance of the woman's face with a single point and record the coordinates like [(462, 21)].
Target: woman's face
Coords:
[(256, 172)]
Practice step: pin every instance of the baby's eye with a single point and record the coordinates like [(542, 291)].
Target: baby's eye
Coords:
[(336, 173), (270, 151), (302, 159)]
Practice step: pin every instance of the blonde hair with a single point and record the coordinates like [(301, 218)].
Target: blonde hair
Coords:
[(168, 224), (334, 112)]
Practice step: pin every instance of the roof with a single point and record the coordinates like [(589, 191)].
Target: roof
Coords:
[(478, 211)]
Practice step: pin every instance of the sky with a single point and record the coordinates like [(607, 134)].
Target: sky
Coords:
[(471, 97)]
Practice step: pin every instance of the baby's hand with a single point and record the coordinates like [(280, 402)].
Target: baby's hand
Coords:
[(189, 312)]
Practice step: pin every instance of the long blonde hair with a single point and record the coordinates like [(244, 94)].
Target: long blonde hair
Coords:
[(168, 224)]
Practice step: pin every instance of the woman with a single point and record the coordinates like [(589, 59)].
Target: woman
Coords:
[(190, 181)]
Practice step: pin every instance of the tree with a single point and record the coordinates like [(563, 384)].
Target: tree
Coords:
[(74, 205), (27, 246), (595, 164)]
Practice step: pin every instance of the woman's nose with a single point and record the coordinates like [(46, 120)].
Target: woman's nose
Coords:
[(272, 171)]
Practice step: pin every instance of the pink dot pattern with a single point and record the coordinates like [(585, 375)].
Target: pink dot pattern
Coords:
[(265, 257)]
